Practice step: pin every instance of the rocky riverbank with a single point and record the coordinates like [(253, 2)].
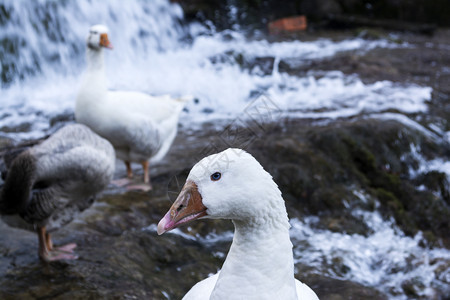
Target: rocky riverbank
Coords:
[(318, 164)]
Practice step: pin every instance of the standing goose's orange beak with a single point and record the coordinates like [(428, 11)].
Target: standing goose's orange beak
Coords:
[(186, 208), (104, 42)]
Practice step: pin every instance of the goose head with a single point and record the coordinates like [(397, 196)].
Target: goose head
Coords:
[(228, 185), (98, 38)]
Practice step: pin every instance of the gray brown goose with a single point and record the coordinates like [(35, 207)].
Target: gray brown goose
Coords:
[(46, 186)]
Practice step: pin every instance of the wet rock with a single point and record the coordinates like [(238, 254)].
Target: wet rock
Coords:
[(341, 21), (24, 127), (437, 182), (62, 119), (318, 169), (5, 142), (317, 10), (412, 288), (413, 16), (262, 65), (334, 289)]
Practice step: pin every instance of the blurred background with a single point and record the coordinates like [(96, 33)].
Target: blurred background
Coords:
[(355, 131)]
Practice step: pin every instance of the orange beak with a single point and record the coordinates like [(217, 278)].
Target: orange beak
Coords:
[(104, 42), (186, 208)]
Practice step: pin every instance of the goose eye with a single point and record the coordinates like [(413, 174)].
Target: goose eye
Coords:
[(216, 176)]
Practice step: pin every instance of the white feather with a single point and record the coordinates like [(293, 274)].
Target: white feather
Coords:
[(260, 262), (138, 125)]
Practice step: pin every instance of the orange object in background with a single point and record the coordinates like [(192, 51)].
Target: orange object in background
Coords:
[(290, 24)]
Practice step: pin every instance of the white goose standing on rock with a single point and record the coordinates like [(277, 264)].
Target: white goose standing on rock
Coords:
[(233, 185), (139, 126), (48, 185)]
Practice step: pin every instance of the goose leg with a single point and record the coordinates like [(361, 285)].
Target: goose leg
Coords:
[(129, 170), (43, 250), (125, 181), (145, 166), (146, 186), (65, 248), (47, 254), (48, 241)]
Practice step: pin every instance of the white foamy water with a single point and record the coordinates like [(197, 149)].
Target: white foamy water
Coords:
[(426, 165), (386, 259), (152, 55)]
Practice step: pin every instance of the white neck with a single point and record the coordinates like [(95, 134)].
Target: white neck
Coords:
[(94, 80), (95, 61), (260, 262), (93, 89)]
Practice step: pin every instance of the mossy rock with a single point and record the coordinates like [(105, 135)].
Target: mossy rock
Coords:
[(437, 182), (319, 168)]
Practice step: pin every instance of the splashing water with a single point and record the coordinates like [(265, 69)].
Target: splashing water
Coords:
[(386, 259), (154, 53)]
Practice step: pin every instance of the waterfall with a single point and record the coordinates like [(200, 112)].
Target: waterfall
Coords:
[(43, 47), (46, 38)]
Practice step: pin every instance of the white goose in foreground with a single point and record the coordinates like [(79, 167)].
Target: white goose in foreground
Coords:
[(233, 185), (139, 126), (48, 185)]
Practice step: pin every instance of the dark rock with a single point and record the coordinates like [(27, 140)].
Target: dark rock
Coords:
[(319, 168), (62, 118), (420, 11), (320, 9), (437, 182), (24, 127), (335, 289), (5, 142), (413, 16), (339, 21)]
